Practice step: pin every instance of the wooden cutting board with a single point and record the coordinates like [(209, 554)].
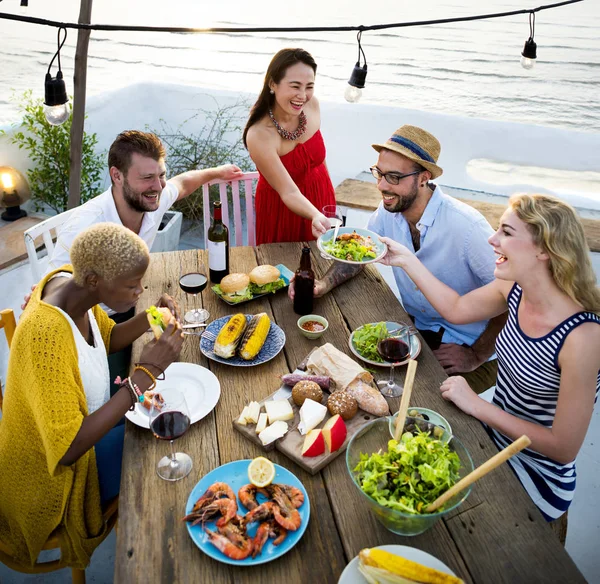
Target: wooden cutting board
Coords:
[(291, 444)]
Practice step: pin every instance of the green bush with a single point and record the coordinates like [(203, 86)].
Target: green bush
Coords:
[(49, 151), (218, 142)]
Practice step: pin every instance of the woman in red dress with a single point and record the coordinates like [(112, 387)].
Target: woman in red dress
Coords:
[(284, 141)]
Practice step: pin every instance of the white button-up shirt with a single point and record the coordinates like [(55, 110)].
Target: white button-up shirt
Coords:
[(102, 209), (454, 248)]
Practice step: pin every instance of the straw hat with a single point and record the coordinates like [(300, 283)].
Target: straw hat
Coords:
[(416, 144)]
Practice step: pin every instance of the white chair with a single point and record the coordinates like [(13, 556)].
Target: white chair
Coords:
[(248, 180), (45, 230)]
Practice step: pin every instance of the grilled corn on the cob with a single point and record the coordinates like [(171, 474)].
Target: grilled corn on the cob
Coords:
[(255, 336), (230, 335), (381, 567)]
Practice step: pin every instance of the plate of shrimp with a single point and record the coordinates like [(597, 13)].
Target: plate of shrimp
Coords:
[(237, 523)]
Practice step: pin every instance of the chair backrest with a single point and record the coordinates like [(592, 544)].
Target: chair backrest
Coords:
[(248, 181), (45, 230), (9, 324)]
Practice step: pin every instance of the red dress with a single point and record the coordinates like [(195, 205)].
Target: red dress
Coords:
[(306, 165)]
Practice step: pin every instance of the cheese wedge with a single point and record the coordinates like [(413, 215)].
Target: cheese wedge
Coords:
[(312, 414)]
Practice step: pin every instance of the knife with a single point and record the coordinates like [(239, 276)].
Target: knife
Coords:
[(190, 326)]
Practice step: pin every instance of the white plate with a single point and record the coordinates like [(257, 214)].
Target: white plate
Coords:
[(380, 247), (199, 385), (351, 575), (415, 347)]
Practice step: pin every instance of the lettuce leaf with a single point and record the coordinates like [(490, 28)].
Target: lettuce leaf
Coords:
[(155, 317), (365, 340), (239, 296), (271, 287), (413, 472)]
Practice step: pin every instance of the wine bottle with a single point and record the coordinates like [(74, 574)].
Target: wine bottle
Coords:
[(218, 246), (304, 283)]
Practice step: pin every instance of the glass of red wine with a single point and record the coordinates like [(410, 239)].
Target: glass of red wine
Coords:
[(193, 283), (394, 349), (170, 419)]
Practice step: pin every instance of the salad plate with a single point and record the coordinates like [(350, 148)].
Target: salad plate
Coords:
[(235, 474), (351, 251), (415, 344), (285, 273), (352, 575), (273, 344), (199, 385)]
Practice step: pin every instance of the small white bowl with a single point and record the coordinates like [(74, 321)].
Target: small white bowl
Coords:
[(312, 334)]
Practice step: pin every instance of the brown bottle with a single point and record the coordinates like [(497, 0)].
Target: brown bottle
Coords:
[(304, 283)]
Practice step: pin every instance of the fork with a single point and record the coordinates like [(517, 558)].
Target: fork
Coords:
[(208, 335)]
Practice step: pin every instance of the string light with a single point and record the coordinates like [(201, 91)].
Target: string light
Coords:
[(357, 80), (529, 54), (56, 104)]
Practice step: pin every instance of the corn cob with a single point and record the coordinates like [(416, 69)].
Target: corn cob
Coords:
[(392, 568), (230, 336), (255, 336)]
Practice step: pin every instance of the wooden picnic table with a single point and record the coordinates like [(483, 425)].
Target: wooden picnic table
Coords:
[(496, 535)]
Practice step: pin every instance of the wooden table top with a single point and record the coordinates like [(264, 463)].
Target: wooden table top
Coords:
[(496, 535)]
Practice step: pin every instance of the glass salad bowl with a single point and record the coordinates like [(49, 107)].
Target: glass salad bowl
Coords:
[(374, 438)]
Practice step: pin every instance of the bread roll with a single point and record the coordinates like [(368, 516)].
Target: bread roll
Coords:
[(306, 390), (342, 403), (264, 274)]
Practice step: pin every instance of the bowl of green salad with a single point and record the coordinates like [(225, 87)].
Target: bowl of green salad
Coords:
[(399, 479)]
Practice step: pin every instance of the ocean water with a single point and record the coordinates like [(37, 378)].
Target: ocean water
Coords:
[(468, 69)]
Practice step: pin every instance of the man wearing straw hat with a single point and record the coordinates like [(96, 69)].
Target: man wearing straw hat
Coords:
[(448, 236)]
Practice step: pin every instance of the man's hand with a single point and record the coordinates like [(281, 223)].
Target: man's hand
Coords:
[(456, 358), (319, 288), (457, 390), (320, 224), (28, 297), (397, 254), (229, 172), (169, 302)]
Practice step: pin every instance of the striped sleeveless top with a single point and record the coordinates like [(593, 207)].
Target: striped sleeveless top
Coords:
[(527, 387)]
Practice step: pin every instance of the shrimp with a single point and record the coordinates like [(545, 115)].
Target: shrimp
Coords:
[(284, 511), (215, 491), (239, 550), (260, 513), (261, 537), (277, 533), (226, 507), (247, 495), (295, 495)]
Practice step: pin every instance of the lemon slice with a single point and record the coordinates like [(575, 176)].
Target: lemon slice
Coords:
[(261, 472)]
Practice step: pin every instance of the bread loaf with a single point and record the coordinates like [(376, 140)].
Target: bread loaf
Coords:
[(368, 398)]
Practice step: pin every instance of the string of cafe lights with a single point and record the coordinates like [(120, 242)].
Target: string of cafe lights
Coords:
[(55, 90)]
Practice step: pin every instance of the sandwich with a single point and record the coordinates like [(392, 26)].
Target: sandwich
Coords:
[(159, 319), (234, 288), (265, 279)]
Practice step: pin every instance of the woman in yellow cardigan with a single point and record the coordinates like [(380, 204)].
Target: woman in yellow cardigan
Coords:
[(60, 442)]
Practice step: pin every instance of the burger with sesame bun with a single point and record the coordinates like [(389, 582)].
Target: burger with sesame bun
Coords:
[(265, 279), (234, 288)]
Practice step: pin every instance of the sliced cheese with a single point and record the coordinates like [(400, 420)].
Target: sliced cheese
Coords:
[(312, 414), (279, 410), (262, 423), (253, 412), (242, 419), (273, 432)]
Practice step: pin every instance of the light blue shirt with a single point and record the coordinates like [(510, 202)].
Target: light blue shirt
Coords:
[(454, 248)]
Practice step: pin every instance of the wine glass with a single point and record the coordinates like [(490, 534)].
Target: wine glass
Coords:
[(394, 349), (193, 283), (336, 219), (170, 419)]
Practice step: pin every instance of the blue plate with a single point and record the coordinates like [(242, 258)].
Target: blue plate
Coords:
[(285, 273), (273, 344), (235, 474), (380, 247)]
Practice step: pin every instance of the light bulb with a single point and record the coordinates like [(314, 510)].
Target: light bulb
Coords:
[(527, 63), (352, 94), (57, 114)]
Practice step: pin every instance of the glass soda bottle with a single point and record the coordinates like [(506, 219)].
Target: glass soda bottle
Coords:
[(304, 285)]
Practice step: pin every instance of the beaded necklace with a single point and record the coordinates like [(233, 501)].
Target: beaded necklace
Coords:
[(290, 135)]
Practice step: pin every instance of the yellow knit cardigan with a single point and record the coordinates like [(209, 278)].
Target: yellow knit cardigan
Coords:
[(44, 406)]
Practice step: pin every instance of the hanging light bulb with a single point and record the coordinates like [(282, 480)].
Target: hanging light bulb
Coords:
[(356, 83), (529, 54), (23, 6), (56, 104)]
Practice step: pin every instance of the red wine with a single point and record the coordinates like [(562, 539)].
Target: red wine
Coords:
[(193, 283), (393, 350), (170, 425)]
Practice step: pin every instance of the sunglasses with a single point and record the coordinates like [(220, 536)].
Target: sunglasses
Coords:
[(392, 178)]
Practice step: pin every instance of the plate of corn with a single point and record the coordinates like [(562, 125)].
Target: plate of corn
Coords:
[(242, 340), (392, 564)]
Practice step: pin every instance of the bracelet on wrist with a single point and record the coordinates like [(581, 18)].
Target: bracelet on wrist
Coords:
[(144, 370), (156, 377)]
